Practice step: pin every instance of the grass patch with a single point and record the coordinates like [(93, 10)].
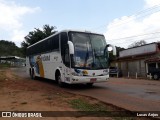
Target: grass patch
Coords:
[(98, 109), (63, 95), (44, 95), (15, 76), (125, 118), (83, 105), (2, 76), (49, 98), (4, 65)]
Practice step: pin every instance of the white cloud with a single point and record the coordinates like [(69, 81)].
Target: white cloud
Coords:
[(11, 19), (135, 25), (151, 3), (17, 36)]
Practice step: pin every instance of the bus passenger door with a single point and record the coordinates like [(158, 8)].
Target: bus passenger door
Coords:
[(67, 63), (65, 56)]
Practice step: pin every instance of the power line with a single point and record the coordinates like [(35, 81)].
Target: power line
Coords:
[(140, 14), (136, 14), (114, 26), (146, 39), (135, 36)]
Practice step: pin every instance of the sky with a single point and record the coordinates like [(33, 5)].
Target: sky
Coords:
[(121, 21)]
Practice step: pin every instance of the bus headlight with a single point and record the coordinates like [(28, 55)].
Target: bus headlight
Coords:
[(75, 74), (106, 72)]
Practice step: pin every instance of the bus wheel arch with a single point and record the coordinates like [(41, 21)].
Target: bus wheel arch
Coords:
[(30, 72)]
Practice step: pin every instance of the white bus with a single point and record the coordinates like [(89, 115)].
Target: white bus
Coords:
[(71, 57)]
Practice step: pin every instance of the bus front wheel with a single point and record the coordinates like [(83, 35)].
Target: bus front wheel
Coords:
[(59, 79), (89, 84), (60, 83)]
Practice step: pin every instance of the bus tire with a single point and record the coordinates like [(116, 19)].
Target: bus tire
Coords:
[(30, 72), (60, 83), (59, 79), (33, 74), (89, 84)]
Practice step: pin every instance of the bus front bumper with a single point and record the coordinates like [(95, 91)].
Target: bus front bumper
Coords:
[(86, 79)]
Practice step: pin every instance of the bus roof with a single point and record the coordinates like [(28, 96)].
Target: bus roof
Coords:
[(84, 31)]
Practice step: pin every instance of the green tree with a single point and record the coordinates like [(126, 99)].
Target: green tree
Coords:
[(112, 57), (8, 48), (137, 44), (37, 35)]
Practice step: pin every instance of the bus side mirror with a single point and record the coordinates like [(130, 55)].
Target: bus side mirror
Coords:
[(113, 48), (71, 47)]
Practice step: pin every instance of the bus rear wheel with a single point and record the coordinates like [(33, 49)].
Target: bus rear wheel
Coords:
[(32, 74)]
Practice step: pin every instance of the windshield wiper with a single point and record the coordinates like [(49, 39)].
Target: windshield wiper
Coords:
[(98, 57), (86, 58), (100, 62)]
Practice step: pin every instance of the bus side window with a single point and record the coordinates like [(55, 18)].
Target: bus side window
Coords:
[(56, 42), (65, 49)]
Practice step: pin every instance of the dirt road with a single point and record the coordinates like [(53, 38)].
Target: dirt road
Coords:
[(19, 92), (131, 94)]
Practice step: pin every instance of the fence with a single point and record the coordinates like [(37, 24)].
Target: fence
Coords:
[(132, 74)]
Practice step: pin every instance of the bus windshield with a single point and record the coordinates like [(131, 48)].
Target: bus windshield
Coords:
[(90, 51)]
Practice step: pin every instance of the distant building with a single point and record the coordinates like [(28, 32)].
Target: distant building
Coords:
[(138, 60), (13, 60)]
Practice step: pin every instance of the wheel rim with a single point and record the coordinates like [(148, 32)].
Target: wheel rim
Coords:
[(155, 76), (59, 80)]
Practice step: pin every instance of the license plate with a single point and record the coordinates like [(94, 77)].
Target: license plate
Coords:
[(93, 79)]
